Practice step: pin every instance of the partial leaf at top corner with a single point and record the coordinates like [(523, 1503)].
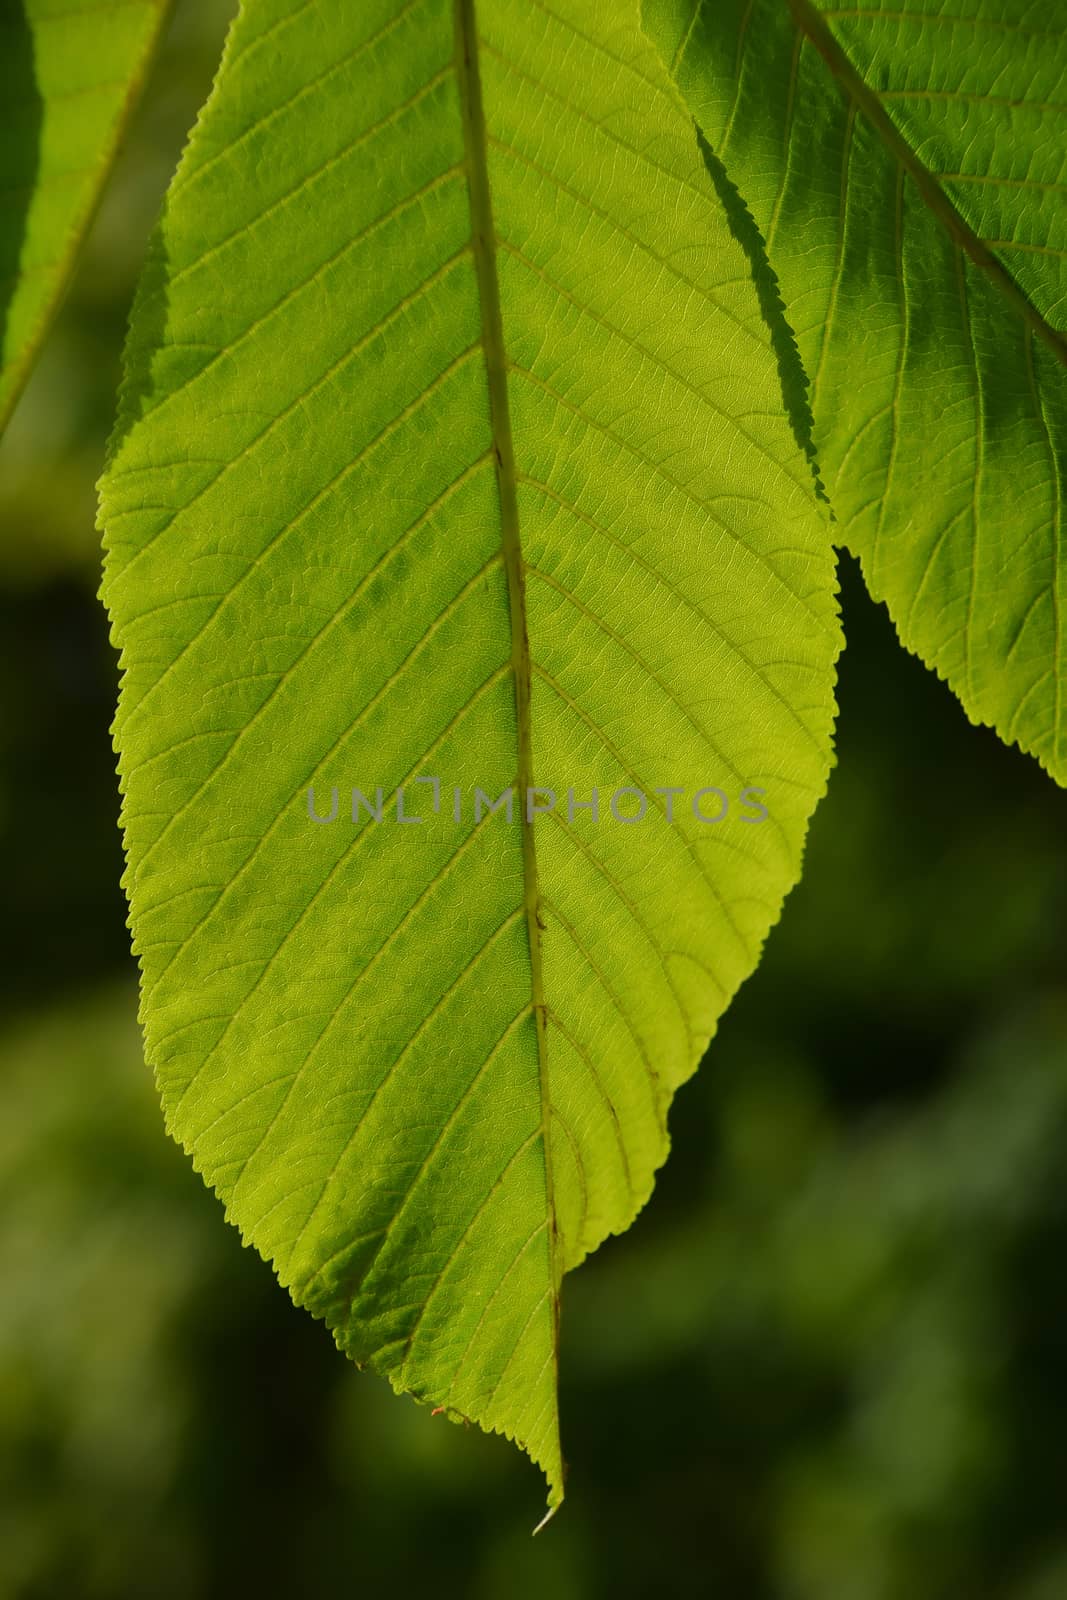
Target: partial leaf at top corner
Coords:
[(907, 167), (70, 73), (451, 448)]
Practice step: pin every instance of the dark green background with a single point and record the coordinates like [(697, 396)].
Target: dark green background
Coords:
[(829, 1361)]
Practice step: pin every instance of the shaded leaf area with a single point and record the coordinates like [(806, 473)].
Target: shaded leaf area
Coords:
[(484, 478), (18, 174), (53, 445), (906, 169), (828, 1361), (69, 79)]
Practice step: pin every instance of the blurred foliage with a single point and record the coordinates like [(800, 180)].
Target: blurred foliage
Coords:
[(829, 1362)]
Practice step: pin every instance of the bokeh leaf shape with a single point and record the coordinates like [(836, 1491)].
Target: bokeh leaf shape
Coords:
[(70, 76), (906, 166), (451, 447)]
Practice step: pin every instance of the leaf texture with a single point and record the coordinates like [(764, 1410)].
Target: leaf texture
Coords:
[(70, 75), (907, 167), (451, 447)]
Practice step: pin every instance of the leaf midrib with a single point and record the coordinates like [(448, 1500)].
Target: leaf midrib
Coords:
[(483, 241), (812, 25)]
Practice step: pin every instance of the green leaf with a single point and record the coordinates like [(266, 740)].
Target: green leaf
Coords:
[(452, 446), (907, 166), (70, 76)]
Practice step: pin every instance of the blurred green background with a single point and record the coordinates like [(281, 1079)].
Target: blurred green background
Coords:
[(829, 1361)]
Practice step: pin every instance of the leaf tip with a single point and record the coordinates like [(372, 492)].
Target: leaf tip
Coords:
[(554, 1503)]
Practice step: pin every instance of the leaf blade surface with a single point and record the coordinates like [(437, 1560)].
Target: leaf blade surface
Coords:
[(412, 493), (70, 78), (906, 168)]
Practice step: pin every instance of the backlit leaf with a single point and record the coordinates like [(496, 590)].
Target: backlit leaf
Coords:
[(452, 447), (907, 166)]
